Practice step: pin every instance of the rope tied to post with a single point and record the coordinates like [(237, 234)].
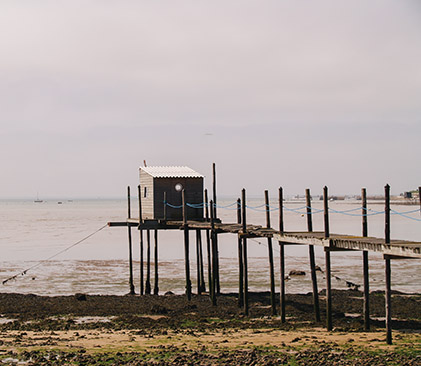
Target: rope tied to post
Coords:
[(54, 255)]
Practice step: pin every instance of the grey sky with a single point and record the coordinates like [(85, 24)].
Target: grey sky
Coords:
[(294, 93)]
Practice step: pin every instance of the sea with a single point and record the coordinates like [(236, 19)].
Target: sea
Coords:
[(64, 247)]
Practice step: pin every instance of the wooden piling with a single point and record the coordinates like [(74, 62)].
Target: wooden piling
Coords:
[(312, 259), (328, 291), (327, 262), (282, 255), (208, 245), (240, 260), (142, 289), (199, 263), (156, 287), (244, 231), (186, 247), (213, 282), (215, 215), (366, 305), (388, 299), (270, 252), (148, 263), (139, 195), (199, 291), (131, 284), (201, 269)]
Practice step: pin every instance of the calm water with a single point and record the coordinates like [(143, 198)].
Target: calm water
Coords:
[(31, 232)]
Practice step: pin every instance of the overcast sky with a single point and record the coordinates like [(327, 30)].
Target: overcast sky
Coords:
[(298, 94)]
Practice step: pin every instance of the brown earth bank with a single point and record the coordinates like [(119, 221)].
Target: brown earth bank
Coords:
[(169, 330)]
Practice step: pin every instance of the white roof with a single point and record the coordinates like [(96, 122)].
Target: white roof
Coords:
[(171, 172)]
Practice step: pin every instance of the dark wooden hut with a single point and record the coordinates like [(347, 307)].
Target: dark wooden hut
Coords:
[(157, 180)]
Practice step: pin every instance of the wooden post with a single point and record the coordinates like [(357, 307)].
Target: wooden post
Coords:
[(326, 211), (198, 263), (132, 291), (213, 282), (214, 189), (186, 247), (201, 269), (148, 263), (215, 215), (240, 260), (208, 245), (244, 222), (327, 261), (419, 197), (387, 213), (366, 305), (312, 259), (142, 290), (270, 250), (328, 291), (282, 256), (141, 239), (165, 206), (388, 299), (156, 287)]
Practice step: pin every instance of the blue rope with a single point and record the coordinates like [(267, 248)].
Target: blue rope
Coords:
[(172, 206), (300, 210), (403, 215), (227, 206)]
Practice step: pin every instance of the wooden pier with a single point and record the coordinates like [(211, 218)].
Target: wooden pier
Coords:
[(212, 226)]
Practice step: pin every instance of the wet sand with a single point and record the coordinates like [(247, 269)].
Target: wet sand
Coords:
[(169, 330)]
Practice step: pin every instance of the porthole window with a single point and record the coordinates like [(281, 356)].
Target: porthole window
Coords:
[(178, 187)]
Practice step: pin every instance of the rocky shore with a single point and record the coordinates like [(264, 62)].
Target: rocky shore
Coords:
[(169, 330)]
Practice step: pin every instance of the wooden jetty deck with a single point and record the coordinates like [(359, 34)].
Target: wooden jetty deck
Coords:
[(335, 242)]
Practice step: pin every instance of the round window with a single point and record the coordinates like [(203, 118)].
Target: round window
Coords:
[(178, 187)]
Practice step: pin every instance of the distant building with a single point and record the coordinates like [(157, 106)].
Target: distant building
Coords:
[(155, 180), (407, 194)]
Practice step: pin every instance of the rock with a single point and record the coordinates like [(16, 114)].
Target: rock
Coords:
[(80, 297), (297, 273), (159, 310), (169, 293)]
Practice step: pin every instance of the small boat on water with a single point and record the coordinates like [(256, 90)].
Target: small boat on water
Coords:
[(38, 200)]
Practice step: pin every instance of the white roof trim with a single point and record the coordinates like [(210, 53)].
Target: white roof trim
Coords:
[(171, 172)]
